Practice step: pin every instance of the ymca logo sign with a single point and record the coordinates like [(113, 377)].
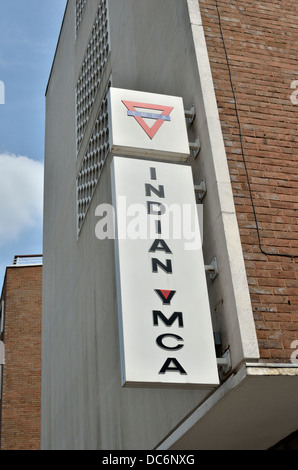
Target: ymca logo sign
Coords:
[(139, 116), (165, 295), (147, 125)]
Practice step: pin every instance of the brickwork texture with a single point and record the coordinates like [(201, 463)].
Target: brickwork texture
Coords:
[(21, 402), (252, 47)]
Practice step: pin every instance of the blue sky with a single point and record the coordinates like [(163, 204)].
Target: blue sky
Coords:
[(29, 31)]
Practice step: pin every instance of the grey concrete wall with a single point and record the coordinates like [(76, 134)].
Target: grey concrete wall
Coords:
[(83, 404)]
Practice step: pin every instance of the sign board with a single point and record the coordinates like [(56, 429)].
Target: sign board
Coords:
[(147, 125), (166, 335)]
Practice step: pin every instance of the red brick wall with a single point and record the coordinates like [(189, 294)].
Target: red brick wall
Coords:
[(261, 39), (20, 428)]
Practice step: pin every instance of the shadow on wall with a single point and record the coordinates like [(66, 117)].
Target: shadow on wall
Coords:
[(289, 443)]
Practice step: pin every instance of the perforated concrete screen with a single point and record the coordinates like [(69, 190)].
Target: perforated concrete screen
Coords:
[(94, 62), (80, 5), (92, 163)]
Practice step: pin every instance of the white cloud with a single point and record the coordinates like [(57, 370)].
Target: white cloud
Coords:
[(21, 196)]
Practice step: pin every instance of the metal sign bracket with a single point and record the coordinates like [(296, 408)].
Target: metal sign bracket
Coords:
[(195, 147), (224, 362), (201, 189), (190, 115), (212, 269)]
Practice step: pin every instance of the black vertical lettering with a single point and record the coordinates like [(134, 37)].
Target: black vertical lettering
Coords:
[(166, 367), (155, 211), (167, 321), (165, 267), (158, 227), (153, 173), (160, 191), (159, 342), (159, 245)]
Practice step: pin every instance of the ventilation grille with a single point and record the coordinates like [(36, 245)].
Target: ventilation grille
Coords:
[(92, 69), (93, 161), (80, 5)]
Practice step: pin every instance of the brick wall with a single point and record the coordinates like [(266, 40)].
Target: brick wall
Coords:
[(261, 39), (20, 426)]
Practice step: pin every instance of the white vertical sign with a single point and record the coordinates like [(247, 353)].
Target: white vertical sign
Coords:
[(166, 334)]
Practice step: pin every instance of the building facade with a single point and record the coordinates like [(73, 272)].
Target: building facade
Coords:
[(20, 405), (234, 66)]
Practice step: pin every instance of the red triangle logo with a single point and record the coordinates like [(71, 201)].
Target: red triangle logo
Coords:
[(159, 118), (165, 295)]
